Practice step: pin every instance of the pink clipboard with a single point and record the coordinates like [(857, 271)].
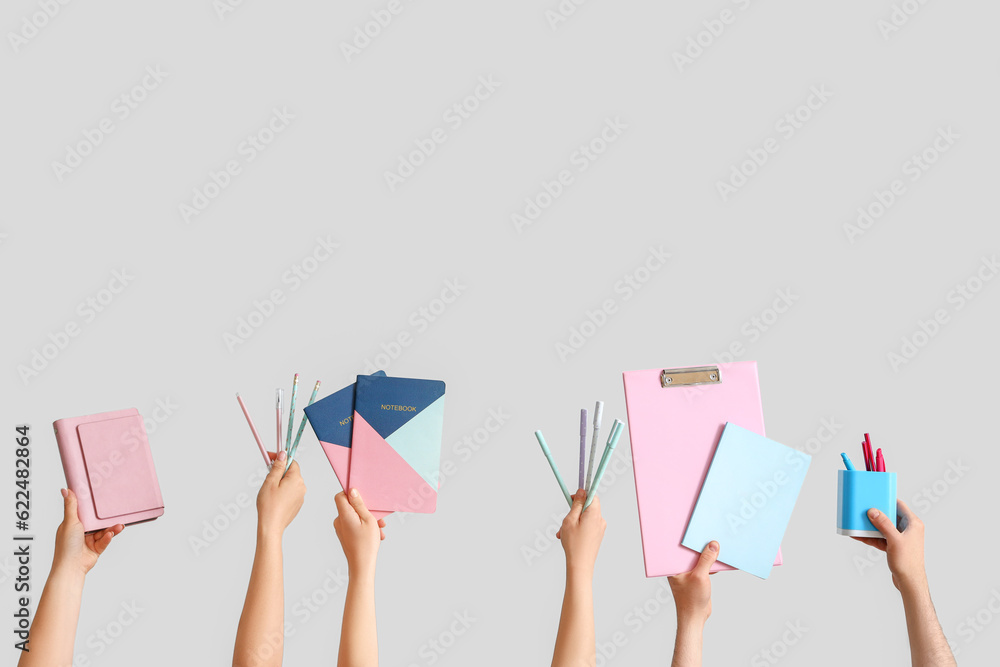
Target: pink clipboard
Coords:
[(675, 419)]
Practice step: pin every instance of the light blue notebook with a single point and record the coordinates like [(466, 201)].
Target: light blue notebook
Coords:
[(747, 499)]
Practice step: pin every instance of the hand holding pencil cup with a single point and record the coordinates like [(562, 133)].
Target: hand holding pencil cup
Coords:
[(861, 490)]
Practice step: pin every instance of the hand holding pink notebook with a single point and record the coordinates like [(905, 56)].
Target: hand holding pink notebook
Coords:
[(109, 466)]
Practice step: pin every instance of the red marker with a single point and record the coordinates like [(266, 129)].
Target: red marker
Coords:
[(864, 452), (879, 461), (871, 453)]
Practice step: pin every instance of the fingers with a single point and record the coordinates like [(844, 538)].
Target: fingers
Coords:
[(883, 524), (344, 508), (103, 539), (877, 542), (709, 555), (359, 506), (69, 507), (577, 508), (293, 471), (595, 505), (277, 469), (905, 517), (902, 509)]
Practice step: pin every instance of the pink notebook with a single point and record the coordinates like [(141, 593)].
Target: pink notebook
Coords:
[(675, 419), (109, 466)]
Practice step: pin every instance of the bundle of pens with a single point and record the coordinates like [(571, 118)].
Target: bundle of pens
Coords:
[(289, 446), (586, 482), (873, 462)]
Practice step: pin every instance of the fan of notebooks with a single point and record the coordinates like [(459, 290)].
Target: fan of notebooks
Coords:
[(381, 434)]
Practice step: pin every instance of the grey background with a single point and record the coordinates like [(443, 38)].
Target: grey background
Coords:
[(826, 358)]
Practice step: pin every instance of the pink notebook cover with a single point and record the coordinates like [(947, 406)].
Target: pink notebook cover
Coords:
[(340, 460), (109, 466), (673, 433)]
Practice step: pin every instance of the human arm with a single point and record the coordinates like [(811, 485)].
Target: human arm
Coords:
[(581, 534), (904, 548), (693, 600), (360, 535), (260, 635), (53, 632)]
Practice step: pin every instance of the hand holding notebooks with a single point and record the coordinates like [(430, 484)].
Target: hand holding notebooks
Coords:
[(747, 499), (331, 419), (396, 442), (109, 466)]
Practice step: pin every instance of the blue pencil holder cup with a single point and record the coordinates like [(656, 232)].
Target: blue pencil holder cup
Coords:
[(857, 492)]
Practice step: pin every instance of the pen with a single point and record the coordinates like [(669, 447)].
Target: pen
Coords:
[(871, 454), (598, 413), (616, 431), (291, 413), (552, 464), (583, 447), (847, 461), (278, 393), (879, 461), (253, 429)]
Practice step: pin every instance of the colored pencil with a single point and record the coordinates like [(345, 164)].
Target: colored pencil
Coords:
[(253, 429), (302, 427), (291, 413)]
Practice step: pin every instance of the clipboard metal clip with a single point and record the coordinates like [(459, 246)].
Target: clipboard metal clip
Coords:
[(686, 377)]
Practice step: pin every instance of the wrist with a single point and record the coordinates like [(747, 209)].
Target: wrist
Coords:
[(69, 573), (268, 535), (577, 573), (692, 619), (361, 572), (913, 586)]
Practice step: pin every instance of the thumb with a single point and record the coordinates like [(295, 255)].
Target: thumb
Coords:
[(277, 469), (884, 525), (69, 507), (359, 506), (577, 508), (709, 555)]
